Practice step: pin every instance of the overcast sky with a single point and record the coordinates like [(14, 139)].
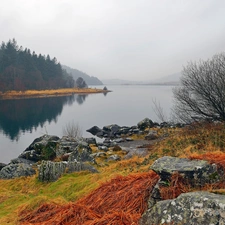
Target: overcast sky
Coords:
[(126, 39)]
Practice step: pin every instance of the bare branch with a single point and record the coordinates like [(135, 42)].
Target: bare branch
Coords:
[(72, 130), (158, 110), (202, 91)]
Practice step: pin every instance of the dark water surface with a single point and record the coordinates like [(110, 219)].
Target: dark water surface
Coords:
[(23, 120)]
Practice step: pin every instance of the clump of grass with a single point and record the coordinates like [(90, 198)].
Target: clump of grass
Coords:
[(199, 138)]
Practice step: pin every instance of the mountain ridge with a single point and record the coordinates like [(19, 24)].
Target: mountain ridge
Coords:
[(75, 73)]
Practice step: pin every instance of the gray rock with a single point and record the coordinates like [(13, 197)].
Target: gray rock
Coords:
[(51, 171), (81, 154), (66, 145), (16, 170), (104, 148), (21, 160), (113, 158), (152, 135), (124, 130), (135, 131), (197, 172), (100, 134), (94, 130), (145, 123), (43, 147), (140, 152), (2, 165), (90, 141), (119, 140), (129, 139), (112, 129), (98, 154), (194, 208)]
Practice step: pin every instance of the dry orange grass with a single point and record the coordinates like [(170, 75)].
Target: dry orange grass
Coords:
[(53, 92), (120, 201)]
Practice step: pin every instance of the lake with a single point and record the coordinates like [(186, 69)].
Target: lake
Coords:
[(23, 120)]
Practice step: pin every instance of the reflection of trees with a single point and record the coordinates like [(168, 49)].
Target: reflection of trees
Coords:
[(80, 99), (26, 114)]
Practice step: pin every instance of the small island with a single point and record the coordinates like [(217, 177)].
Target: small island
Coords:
[(49, 93)]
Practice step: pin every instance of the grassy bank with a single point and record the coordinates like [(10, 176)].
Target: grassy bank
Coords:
[(111, 194), (47, 93)]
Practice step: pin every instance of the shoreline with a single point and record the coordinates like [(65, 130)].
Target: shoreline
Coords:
[(49, 93)]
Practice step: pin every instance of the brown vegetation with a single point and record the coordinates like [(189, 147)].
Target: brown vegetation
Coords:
[(120, 201), (47, 93)]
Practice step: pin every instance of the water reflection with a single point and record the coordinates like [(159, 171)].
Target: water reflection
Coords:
[(28, 114)]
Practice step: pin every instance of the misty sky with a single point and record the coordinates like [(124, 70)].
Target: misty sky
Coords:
[(125, 39)]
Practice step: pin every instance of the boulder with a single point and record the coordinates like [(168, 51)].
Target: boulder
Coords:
[(98, 154), (94, 130), (16, 170), (197, 172), (90, 141), (123, 130), (81, 154), (119, 140), (2, 165), (112, 129), (152, 135), (113, 158), (41, 148), (187, 209), (129, 139), (21, 160), (145, 123), (51, 171), (104, 148), (66, 145)]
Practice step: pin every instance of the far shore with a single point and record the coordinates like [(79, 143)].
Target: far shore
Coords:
[(49, 93)]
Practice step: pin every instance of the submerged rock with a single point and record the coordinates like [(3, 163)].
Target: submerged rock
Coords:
[(194, 208)]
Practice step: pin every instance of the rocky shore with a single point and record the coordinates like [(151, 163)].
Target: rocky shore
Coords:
[(50, 156)]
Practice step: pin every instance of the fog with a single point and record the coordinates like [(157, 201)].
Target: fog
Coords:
[(126, 39)]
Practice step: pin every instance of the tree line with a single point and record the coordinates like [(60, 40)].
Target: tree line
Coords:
[(22, 70)]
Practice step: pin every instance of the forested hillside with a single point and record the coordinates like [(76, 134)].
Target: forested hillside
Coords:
[(22, 70), (90, 80)]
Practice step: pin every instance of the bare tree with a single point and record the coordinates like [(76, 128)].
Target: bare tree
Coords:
[(201, 95), (157, 108), (72, 129)]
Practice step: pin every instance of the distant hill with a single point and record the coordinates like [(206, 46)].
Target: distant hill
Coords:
[(119, 82), (172, 79), (90, 80)]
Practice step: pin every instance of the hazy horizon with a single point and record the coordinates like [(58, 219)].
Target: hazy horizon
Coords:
[(131, 40)]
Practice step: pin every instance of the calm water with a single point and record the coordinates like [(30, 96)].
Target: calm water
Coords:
[(21, 121)]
